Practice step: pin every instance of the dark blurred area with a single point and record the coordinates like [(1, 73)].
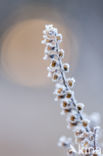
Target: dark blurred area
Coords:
[(30, 122)]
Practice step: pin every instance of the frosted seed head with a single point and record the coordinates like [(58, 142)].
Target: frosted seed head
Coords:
[(55, 77), (66, 67), (80, 106), (78, 132), (72, 118), (49, 40), (61, 53), (54, 63), (50, 31), (71, 82), (69, 94), (49, 47), (85, 122), (64, 104), (60, 97), (60, 90)]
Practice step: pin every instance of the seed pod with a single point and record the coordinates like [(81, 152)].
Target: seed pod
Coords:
[(55, 77), (61, 53), (59, 90), (69, 94), (85, 123), (71, 82), (53, 63), (80, 106), (61, 96), (66, 67)]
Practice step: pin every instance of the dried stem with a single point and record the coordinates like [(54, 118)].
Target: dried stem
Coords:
[(85, 132)]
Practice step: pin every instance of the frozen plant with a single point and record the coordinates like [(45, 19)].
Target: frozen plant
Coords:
[(85, 128)]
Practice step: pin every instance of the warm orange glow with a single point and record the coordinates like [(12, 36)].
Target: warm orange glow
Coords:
[(22, 52)]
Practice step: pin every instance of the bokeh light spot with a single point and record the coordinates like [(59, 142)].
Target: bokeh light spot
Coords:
[(22, 52)]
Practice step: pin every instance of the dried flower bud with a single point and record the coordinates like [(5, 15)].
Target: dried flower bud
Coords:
[(86, 143), (71, 82), (59, 91), (85, 123), (72, 118), (66, 106), (61, 96), (67, 110), (69, 94), (64, 103), (66, 67), (86, 151), (49, 40), (53, 63), (55, 77), (78, 132), (50, 47), (80, 106), (61, 53)]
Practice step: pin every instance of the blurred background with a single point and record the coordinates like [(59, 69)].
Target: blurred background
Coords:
[(30, 121)]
